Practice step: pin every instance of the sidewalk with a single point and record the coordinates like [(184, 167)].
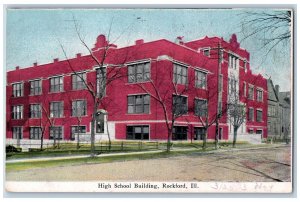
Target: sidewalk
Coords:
[(230, 149)]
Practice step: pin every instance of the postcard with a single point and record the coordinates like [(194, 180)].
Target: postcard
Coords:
[(149, 100)]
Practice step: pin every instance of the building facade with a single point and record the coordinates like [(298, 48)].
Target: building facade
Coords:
[(53, 101)]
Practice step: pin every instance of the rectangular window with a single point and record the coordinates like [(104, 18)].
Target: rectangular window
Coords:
[(35, 133), (200, 79), (179, 74), (77, 129), (259, 95), (250, 131), (245, 89), (17, 112), (137, 132), (138, 104), (233, 61), (36, 87), (101, 81), (79, 108), (200, 107), (56, 84), (179, 133), (206, 52), (78, 81), (250, 114), (199, 133), (35, 111), (245, 64), (56, 109), (56, 133), (18, 90), (180, 105), (250, 93), (259, 115), (139, 72), (17, 132)]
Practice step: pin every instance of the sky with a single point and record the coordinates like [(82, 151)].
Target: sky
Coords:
[(34, 35)]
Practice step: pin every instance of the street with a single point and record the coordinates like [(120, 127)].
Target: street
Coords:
[(260, 165)]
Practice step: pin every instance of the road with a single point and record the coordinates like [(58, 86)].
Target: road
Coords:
[(264, 165)]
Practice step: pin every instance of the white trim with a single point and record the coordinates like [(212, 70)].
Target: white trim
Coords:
[(181, 63), (137, 62)]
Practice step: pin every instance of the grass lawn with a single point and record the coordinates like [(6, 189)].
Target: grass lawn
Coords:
[(10, 167)]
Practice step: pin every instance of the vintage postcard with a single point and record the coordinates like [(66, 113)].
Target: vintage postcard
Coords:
[(149, 100)]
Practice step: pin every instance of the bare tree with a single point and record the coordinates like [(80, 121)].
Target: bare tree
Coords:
[(106, 74), (271, 28), (170, 100), (236, 110)]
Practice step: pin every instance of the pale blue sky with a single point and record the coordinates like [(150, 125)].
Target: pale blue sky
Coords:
[(32, 35)]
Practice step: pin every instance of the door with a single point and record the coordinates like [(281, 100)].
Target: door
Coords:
[(100, 123)]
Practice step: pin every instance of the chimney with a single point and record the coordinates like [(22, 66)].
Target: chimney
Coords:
[(35, 64), (55, 60), (78, 55), (17, 67), (139, 42), (277, 89)]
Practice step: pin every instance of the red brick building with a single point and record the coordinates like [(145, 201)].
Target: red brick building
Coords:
[(36, 94)]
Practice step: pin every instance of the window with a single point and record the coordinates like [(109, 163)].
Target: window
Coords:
[(200, 107), (259, 95), (179, 74), (139, 72), (101, 81), (78, 81), (259, 115), (77, 129), (245, 89), (79, 108), (100, 123), (56, 84), (138, 104), (199, 133), (17, 132), (180, 105), (137, 132), (179, 133), (56, 133), (35, 111), (35, 87), (17, 89), (245, 64), (200, 79), (250, 114), (233, 61), (35, 133), (17, 112), (232, 83), (56, 109), (250, 93), (206, 52), (250, 131)]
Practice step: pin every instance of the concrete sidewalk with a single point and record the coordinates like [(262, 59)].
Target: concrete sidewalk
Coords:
[(230, 149)]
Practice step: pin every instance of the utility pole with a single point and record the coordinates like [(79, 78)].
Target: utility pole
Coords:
[(219, 97)]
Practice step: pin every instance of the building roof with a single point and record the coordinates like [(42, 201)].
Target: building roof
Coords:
[(272, 95)]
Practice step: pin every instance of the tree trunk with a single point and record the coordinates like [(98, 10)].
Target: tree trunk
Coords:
[(234, 136), (204, 140), (169, 140), (108, 135), (217, 135), (93, 135), (42, 142), (77, 139)]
